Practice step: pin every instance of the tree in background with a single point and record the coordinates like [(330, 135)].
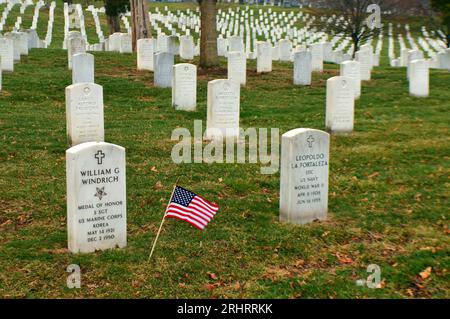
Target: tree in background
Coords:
[(355, 24), (208, 37), (439, 12), (140, 21), (113, 10)]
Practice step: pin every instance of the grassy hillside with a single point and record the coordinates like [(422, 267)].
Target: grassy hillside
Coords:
[(388, 200)]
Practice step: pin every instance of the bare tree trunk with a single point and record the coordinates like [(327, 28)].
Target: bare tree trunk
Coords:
[(140, 22), (208, 39), (355, 45), (113, 24)]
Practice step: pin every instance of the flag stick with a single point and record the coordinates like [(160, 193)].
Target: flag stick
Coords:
[(162, 221)]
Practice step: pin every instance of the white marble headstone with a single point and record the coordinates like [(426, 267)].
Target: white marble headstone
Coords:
[(7, 54), (363, 57), (82, 68), (237, 66), (184, 87), (235, 43), (340, 105), (419, 78), (125, 43), (75, 45), (163, 69), (187, 47), (317, 57), (145, 48), (84, 113), (304, 175), (223, 108), (302, 67), (352, 69), (264, 57), (285, 49), (96, 197)]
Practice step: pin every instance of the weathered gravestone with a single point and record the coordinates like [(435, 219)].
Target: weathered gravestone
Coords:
[(340, 105), (184, 87), (235, 43), (352, 70), (22, 43), (75, 45), (125, 43), (222, 46), (237, 66), (412, 55), (317, 57), (114, 42), (327, 51), (369, 51), (285, 49), (163, 69), (82, 68), (173, 45), (162, 43), (304, 175), (84, 113), (96, 197), (404, 57), (7, 54), (275, 53), (376, 59), (444, 59), (14, 37), (363, 57), (264, 57), (33, 39), (419, 78), (145, 48), (223, 104), (302, 67), (187, 47)]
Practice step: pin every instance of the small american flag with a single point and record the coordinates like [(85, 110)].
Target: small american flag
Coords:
[(191, 208)]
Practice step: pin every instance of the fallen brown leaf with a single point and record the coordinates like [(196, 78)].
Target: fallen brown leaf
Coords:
[(8, 222), (426, 273), (345, 260), (212, 276), (376, 174), (211, 287)]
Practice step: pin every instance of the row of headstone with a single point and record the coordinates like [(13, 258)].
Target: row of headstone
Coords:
[(15, 44), (95, 170), (119, 42), (432, 48)]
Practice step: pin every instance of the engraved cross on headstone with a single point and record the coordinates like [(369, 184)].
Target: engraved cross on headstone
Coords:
[(310, 140), (99, 156)]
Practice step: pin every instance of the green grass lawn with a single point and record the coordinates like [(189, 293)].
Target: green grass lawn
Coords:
[(388, 202)]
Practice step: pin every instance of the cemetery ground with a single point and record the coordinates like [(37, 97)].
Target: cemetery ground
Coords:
[(388, 202), (388, 191)]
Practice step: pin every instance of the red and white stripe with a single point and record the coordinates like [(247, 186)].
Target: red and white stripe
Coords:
[(198, 213)]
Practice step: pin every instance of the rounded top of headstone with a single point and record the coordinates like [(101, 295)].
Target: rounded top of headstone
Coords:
[(299, 131), (89, 145), (85, 87), (185, 66), (418, 61), (343, 80)]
